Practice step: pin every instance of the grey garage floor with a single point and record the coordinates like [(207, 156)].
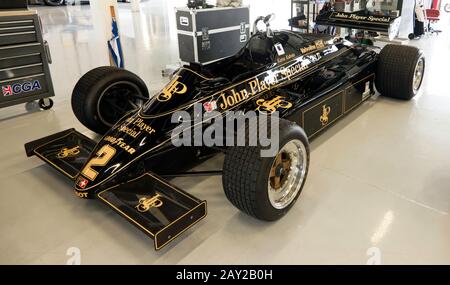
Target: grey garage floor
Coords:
[(379, 181)]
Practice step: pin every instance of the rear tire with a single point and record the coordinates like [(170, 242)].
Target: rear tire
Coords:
[(247, 177), (400, 71), (104, 95)]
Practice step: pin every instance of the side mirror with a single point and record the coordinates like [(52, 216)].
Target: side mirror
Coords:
[(269, 18), (255, 24)]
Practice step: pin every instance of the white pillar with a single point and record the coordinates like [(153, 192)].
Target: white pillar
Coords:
[(135, 7), (102, 20), (407, 21)]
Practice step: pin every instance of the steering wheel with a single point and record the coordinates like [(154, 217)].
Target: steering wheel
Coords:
[(267, 19)]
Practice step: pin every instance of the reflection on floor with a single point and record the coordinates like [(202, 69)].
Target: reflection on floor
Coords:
[(378, 181)]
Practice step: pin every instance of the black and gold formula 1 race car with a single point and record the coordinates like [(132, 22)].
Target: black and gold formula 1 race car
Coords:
[(310, 80)]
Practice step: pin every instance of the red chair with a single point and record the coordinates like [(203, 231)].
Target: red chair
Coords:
[(433, 17)]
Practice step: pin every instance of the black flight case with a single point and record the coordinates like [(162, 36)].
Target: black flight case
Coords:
[(207, 35)]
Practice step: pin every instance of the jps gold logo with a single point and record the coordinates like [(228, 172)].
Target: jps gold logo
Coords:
[(146, 203), (174, 87), (325, 112), (272, 105), (68, 152)]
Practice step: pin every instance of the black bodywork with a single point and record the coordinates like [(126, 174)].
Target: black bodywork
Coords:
[(309, 79)]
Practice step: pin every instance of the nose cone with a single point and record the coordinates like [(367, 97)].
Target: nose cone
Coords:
[(125, 143)]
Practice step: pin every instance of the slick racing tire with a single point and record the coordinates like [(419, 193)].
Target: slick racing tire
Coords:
[(54, 2), (104, 95), (400, 71), (267, 187)]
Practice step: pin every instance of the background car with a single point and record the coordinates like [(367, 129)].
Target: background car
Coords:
[(62, 2), (48, 2)]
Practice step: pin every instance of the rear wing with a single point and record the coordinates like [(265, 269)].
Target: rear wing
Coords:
[(361, 20)]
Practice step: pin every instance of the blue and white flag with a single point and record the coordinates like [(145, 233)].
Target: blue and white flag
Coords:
[(115, 47)]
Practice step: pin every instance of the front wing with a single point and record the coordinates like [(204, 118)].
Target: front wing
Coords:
[(155, 206)]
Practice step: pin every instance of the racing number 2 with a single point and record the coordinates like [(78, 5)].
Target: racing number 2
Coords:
[(104, 155)]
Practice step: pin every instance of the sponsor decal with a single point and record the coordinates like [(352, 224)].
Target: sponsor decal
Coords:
[(68, 152), (325, 113), (287, 57), (146, 203), (82, 183), (120, 143), (18, 88), (174, 87), (270, 106), (279, 48), (315, 46), (210, 106), (129, 131), (234, 98), (265, 81), (135, 126), (81, 194), (360, 18)]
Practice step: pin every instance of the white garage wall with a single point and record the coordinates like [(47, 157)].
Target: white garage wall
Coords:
[(281, 8)]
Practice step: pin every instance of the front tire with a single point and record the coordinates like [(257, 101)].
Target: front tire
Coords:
[(400, 71), (104, 95), (267, 187)]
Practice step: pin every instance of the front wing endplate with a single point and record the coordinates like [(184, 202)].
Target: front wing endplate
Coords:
[(158, 208), (66, 151)]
